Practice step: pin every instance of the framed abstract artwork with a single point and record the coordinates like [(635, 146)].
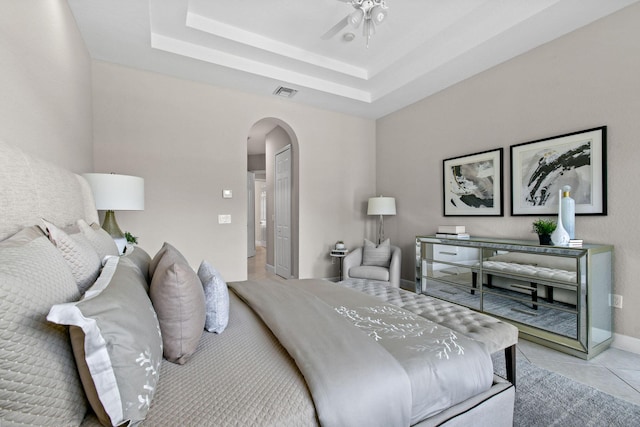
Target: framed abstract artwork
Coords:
[(472, 184), (539, 169)]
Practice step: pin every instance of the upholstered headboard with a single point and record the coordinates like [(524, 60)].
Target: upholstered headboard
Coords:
[(31, 189)]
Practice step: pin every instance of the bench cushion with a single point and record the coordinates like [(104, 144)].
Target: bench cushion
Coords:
[(495, 334)]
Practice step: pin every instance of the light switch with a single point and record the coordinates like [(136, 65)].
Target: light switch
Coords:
[(227, 194), (224, 219)]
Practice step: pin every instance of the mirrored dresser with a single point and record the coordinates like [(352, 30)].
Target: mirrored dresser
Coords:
[(556, 296)]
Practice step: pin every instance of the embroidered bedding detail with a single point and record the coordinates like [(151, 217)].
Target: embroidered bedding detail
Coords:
[(329, 352), (385, 322), (443, 368), (116, 342)]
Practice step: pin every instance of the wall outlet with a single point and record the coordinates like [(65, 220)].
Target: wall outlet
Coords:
[(224, 219), (616, 301)]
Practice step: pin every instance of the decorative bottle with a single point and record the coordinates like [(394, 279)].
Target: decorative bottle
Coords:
[(568, 212), (560, 237)]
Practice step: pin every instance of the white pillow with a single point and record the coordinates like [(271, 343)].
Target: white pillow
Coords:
[(216, 298)]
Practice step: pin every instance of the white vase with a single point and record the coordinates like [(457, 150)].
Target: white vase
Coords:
[(568, 212), (560, 237)]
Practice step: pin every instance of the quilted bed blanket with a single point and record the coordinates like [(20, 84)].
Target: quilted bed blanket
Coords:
[(402, 368)]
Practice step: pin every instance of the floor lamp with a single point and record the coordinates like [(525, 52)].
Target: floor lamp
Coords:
[(381, 206), (113, 192)]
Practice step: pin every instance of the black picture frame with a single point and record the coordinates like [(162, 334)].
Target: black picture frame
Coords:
[(472, 184), (539, 169)]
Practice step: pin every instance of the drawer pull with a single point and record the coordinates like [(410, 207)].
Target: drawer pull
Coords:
[(447, 253)]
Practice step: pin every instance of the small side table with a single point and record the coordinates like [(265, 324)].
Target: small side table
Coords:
[(340, 254)]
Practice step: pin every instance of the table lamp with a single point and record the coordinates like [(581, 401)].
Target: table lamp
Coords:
[(381, 206), (113, 192)]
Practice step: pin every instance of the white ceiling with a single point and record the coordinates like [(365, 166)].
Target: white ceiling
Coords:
[(255, 46)]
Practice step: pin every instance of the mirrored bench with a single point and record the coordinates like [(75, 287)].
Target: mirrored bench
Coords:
[(556, 296)]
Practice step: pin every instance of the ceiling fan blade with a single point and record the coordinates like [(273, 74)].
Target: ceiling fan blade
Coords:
[(336, 28)]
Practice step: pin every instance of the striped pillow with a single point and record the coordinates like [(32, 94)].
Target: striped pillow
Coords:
[(379, 255)]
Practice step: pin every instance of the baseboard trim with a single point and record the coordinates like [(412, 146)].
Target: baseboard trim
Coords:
[(270, 268), (409, 285), (626, 343)]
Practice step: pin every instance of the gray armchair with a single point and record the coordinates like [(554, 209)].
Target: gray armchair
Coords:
[(352, 267)]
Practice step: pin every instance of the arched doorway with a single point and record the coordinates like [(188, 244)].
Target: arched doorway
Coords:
[(266, 138)]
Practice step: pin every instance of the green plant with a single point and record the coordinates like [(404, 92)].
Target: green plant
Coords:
[(130, 238), (543, 226)]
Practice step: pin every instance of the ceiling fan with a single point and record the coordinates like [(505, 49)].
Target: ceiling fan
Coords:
[(368, 12)]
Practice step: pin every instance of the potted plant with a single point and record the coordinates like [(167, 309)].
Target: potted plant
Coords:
[(543, 228), (131, 238)]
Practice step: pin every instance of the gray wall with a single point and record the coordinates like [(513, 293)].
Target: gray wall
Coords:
[(586, 79), (189, 141), (45, 83), (256, 162)]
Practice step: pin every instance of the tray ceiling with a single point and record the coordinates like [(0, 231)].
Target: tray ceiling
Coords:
[(422, 47)]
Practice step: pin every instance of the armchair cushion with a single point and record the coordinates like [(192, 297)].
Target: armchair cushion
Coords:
[(376, 255), (370, 272)]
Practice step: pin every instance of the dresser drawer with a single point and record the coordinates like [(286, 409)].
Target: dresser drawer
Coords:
[(456, 254)]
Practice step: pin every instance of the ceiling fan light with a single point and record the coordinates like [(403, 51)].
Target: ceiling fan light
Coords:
[(378, 15), (356, 17)]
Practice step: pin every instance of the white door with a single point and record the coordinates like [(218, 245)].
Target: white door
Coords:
[(251, 214), (283, 212)]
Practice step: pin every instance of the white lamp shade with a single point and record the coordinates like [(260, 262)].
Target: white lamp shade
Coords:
[(115, 192), (382, 206)]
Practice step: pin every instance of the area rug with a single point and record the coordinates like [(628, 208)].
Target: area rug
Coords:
[(545, 398)]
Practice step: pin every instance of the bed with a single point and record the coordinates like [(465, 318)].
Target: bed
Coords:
[(293, 353)]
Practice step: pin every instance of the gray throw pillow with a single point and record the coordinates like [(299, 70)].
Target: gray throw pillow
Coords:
[(101, 241), (39, 382), (141, 259), (173, 252), (216, 296), (117, 343), (81, 257), (376, 255), (178, 298)]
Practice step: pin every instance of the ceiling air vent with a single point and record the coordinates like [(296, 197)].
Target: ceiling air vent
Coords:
[(285, 92)]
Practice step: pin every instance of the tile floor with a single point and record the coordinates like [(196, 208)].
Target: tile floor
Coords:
[(614, 371)]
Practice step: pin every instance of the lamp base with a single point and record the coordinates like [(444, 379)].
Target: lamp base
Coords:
[(381, 230), (111, 226)]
